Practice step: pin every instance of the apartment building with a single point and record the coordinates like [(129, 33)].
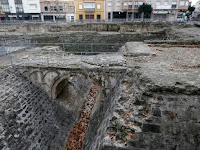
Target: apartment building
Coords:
[(162, 9), (2, 15), (21, 9), (90, 9), (57, 10), (123, 9), (170, 10)]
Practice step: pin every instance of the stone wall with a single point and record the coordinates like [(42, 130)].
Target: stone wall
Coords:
[(93, 37), (152, 117), (29, 119), (100, 27), (48, 78), (99, 121), (134, 114)]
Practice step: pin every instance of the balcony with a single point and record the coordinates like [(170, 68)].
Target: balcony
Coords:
[(163, 7), (89, 9), (130, 7)]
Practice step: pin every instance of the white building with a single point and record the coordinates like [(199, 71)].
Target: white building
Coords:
[(21, 9)]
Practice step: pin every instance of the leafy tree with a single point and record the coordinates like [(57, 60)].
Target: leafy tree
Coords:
[(146, 9), (191, 9)]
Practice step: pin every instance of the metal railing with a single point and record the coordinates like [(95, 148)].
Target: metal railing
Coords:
[(89, 20)]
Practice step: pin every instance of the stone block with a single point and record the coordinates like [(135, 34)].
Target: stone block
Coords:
[(156, 111), (151, 128)]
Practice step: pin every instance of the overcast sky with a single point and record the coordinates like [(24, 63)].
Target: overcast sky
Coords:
[(194, 2)]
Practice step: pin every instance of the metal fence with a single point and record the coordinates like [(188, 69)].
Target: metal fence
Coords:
[(89, 21)]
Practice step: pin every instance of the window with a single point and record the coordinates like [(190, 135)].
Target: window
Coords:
[(98, 17), (80, 17), (51, 8), (55, 8), (45, 8), (140, 3), (109, 15), (4, 1), (149, 2), (136, 4), (130, 4), (98, 6), (80, 6), (109, 4), (70, 8), (61, 8), (19, 8), (5, 8), (89, 16), (157, 3), (89, 5), (186, 3), (18, 1), (125, 3), (182, 3), (165, 3), (174, 4), (72, 18)]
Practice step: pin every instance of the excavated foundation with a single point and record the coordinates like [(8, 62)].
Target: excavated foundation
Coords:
[(146, 96)]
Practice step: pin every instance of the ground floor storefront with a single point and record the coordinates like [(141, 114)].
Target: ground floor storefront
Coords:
[(68, 17), (169, 15), (126, 16), (89, 16), (2, 16), (21, 16)]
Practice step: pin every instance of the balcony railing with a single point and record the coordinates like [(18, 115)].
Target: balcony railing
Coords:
[(89, 9)]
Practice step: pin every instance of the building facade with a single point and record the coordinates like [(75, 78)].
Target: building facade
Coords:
[(57, 10), (2, 15), (90, 10), (162, 9), (21, 9), (173, 10), (123, 10)]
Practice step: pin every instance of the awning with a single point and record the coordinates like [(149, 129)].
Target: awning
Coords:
[(160, 12), (12, 16), (35, 16)]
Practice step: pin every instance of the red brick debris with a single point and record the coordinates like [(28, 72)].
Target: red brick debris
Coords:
[(77, 134)]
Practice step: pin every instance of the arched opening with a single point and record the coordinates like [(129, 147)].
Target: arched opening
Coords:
[(61, 86), (73, 91)]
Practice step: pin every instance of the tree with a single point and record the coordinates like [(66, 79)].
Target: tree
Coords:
[(146, 9), (191, 9)]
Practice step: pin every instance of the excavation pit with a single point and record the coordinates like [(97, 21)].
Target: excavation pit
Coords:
[(148, 98)]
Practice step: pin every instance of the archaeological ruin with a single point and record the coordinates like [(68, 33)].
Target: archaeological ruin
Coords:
[(100, 86)]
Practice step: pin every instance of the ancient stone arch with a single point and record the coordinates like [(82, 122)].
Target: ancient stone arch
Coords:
[(58, 85), (62, 81)]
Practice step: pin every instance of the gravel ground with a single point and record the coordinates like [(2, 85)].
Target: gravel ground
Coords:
[(178, 57)]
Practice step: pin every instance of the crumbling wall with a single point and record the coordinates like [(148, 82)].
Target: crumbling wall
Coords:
[(99, 27), (99, 121), (29, 119), (152, 117)]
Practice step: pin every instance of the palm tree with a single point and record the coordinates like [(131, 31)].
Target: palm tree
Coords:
[(146, 9)]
